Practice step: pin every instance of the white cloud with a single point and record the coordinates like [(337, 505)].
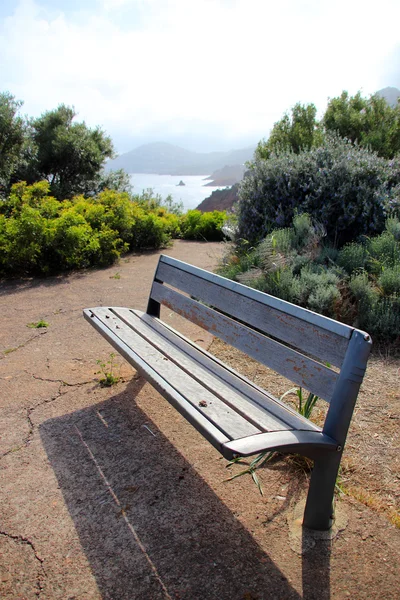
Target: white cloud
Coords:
[(132, 64)]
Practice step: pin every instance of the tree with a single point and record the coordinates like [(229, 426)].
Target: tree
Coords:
[(68, 155), (296, 131), (12, 136), (369, 122), (118, 181)]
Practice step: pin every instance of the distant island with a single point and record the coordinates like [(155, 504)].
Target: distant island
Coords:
[(166, 159)]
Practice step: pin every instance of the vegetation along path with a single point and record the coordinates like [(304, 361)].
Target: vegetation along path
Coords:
[(106, 492)]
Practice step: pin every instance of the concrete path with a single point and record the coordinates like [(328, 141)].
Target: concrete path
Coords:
[(109, 493)]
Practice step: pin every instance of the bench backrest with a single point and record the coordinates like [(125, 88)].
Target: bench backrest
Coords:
[(293, 341)]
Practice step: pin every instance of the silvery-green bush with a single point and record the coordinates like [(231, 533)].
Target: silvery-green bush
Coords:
[(347, 189)]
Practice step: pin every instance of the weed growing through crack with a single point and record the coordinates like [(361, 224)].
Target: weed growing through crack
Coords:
[(38, 324), (107, 369)]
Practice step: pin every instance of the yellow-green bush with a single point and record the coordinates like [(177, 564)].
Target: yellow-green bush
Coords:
[(196, 225), (40, 234)]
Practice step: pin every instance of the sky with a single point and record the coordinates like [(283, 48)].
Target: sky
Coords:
[(207, 74)]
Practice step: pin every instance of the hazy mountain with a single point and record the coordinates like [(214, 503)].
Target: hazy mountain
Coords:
[(228, 175), (391, 95), (167, 159)]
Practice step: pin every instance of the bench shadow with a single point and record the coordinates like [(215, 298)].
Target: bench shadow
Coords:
[(316, 569), (149, 525), (20, 284)]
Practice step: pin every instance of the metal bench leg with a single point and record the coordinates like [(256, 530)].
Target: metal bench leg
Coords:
[(318, 513)]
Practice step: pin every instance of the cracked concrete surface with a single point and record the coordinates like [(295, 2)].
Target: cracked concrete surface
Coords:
[(109, 493), (17, 564), (45, 375)]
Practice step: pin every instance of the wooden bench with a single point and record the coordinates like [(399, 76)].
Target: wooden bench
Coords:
[(235, 415)]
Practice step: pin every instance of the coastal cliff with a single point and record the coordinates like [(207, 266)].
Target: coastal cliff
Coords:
[(220, 200)]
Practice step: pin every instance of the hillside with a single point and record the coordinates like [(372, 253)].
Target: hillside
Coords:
[(167, 159), (220, 200), (228, 175), (391, 95)]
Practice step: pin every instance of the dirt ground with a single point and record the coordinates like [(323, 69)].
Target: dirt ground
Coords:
[(110, 493)]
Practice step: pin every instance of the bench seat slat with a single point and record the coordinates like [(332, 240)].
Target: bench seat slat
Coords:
[(275, 412), (300, 369), (307, 443), (217, 412), (204, 370), (212, 433), (308, 337)]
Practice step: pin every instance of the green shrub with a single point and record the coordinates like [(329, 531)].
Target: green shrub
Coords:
[(283, 240), (323, 299), (318, 289), (352, 257), (328, 255), (39, 234), (383, 320), (270, 257), (152, 202), (283, 284), (363, 290), (196, 225), (237, 260), (171, 221), (24, 240), (383, 251), (374, 254), (23, 194), (111, 209), (148, 231), (299, 262), (389, 281), (347, 189), (378, 315), (393, 227), (306, 233), (359, 284)]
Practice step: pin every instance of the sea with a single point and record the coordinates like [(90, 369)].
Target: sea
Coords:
[(190, 194)]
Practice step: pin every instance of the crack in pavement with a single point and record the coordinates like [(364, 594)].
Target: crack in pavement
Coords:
[(8, 351), (61, 381), (31, 409), (41, 574)]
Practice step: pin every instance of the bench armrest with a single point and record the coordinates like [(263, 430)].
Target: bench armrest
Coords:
[(307, 443)]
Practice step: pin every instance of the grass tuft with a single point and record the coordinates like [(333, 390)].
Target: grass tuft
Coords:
[(373, 501), (256, 463), (38, 324)]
